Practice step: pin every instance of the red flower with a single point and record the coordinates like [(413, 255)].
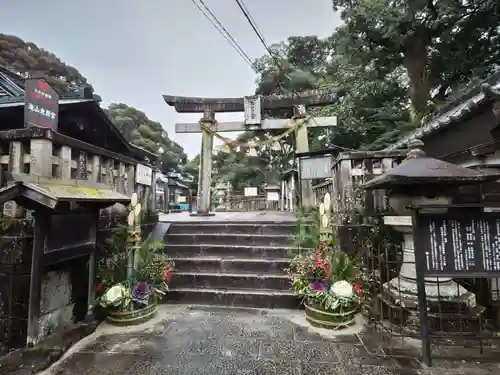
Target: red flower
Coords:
[(167, 273), (358, 289), (100, 288)]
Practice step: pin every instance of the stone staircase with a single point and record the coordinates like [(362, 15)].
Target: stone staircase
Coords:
[(231, 264)]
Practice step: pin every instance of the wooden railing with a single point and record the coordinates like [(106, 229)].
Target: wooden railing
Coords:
[(258, 203), (320, 190), (44, 153), (351, 169)]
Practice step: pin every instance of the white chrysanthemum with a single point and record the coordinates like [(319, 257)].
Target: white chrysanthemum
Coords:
[(342, 289), (115, 295)]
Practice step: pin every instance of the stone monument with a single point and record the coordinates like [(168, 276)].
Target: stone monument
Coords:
[(421, 180)]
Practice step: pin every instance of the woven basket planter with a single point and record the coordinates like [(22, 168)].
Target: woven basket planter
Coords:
[(129, 318), (320, 317)]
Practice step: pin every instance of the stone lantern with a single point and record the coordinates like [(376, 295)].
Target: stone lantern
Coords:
[(420, 180), (221, 195)]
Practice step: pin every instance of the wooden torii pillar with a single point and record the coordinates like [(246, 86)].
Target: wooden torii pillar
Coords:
[(253, 107)]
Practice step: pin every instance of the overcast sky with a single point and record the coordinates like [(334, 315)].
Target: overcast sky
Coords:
[(134, 51)]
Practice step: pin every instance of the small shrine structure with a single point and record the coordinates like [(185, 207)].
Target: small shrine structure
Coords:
[(65, 173)]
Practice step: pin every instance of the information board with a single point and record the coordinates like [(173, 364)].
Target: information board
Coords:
[(459, 244), (143, 175), (251, 192)]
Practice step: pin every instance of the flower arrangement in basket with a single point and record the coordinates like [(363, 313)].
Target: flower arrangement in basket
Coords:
[(134, 275), (328, 282)]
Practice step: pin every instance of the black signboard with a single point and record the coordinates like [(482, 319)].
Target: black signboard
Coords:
[(41, 104), (459, 244)]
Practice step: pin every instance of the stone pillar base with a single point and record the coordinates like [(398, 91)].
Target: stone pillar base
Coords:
[(451, 308), (449, 291), (203, 214)]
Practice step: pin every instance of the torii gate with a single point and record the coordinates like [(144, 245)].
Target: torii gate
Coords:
[(252, 106)]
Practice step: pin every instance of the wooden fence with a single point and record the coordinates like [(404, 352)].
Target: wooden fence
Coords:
[(43, 153)]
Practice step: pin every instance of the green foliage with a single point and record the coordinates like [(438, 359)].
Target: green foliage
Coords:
[(439, 43), (243, 171), (27, 59), (151, 262), (392, 63), (138, 129), (112, 269), (307, 233), (342, 267)]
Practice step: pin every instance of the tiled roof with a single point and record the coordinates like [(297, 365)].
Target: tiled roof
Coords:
[(454, 112)]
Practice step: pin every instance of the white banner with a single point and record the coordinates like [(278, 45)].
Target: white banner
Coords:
[(273, 196), (143, 175), (251, 192)]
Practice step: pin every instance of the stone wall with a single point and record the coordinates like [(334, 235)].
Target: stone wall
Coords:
[(16, 242), (56, 305)]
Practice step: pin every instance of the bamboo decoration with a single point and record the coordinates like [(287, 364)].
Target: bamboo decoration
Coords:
[(134, 235), (324, 217)]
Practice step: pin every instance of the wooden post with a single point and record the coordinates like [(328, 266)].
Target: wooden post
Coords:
[(64, 166), (120, 185), (130, 179), (40, 165), (41, 157), (91, 267), (81, 168), (96, 168), (16, 165), (42, 227), (95, 176), (152, 196)]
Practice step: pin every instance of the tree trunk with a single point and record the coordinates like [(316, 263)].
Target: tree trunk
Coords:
[(416, 61)]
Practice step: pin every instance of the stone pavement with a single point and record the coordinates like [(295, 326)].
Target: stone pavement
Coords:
[(250, 216), (218, 341)]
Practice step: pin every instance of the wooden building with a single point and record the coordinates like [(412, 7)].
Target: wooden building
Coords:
[(76, 169), (466, 131)]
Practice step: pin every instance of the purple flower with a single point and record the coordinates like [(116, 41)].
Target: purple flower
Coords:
[(140, 293), (318, 286)]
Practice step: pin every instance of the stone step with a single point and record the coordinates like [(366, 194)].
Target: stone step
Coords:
[(230, 239), (229, 251), (286, 228), (230, 280), (267, 299), (230, 265)]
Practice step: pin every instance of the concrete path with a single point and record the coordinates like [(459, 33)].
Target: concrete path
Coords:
[(195, 341)]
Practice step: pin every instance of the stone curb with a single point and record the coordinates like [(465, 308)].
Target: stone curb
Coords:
[(26, 361)]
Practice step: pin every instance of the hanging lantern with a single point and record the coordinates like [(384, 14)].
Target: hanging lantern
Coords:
[(276, 146)]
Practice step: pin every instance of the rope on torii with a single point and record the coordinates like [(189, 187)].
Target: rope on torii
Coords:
[(229, 144)]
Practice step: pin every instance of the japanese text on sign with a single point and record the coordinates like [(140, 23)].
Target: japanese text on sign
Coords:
[(143, 175), (41, 104), (461, 244), (252, 109)]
